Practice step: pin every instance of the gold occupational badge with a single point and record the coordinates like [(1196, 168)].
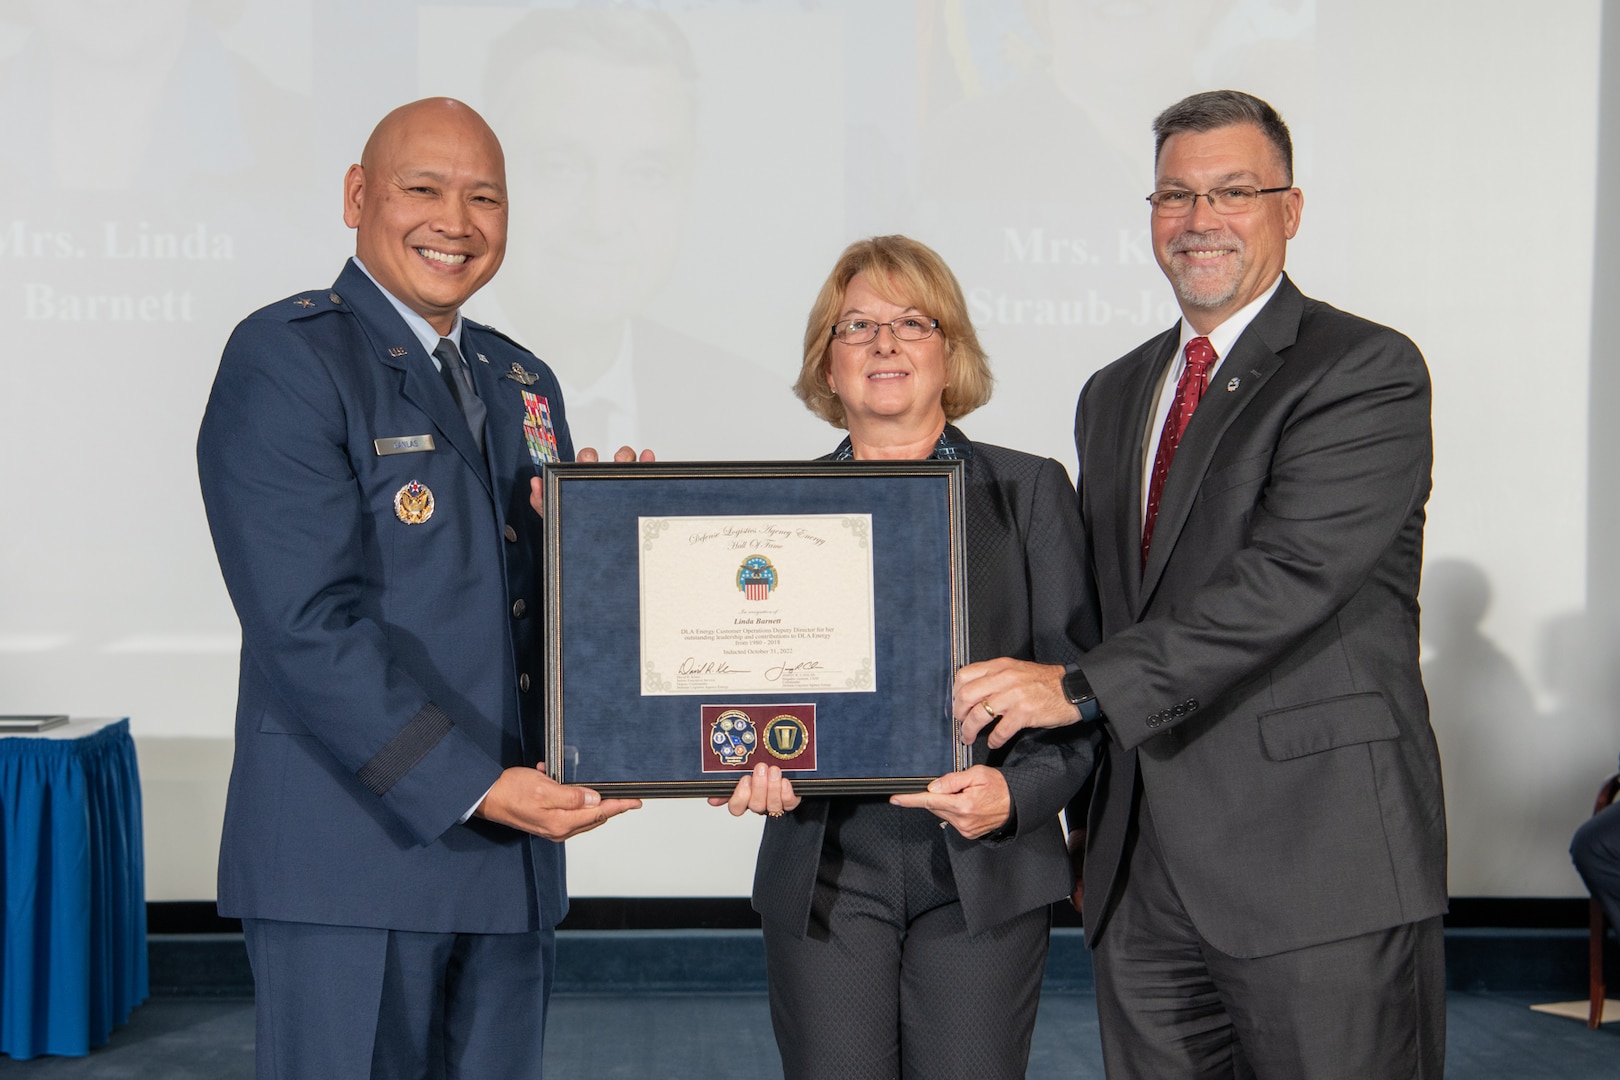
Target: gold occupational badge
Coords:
[(413, 503)]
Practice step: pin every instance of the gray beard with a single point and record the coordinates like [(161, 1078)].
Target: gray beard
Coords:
[(1205, 295)]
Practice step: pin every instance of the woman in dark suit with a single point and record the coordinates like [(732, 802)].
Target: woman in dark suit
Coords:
[(907, 936)]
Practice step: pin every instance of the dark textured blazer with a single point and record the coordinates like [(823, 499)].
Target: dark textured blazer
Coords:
[(1029, 598), (1262, 671), (389, 670)]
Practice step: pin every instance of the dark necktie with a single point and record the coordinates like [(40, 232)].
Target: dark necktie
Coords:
[(1200, 358), (459, 380)]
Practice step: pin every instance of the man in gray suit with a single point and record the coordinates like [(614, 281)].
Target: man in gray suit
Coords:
[(1265, 857)]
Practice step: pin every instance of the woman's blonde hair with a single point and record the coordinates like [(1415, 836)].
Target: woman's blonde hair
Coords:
[(910, 274)]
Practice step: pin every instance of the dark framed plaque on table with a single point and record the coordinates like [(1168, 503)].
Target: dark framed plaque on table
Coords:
[(702, 618)]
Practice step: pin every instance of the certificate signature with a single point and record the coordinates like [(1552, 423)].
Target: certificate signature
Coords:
[(756, 604)]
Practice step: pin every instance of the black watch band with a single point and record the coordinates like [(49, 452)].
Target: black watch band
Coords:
[(1078, 690)]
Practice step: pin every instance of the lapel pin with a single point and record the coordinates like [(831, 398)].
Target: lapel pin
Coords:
[(517, 374), (396, 350), (304, 301), (1233, 384), (482, 358)]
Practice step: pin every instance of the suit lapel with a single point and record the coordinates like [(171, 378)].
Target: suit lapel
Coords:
[(503, 397), (1253, 360), (396, 347), (1135, 414)]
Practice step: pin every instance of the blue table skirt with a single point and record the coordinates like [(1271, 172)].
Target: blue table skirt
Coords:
[(73, 944)]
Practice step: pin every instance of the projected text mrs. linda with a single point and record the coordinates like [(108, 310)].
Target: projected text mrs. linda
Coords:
[(112, 244), (119, 242)]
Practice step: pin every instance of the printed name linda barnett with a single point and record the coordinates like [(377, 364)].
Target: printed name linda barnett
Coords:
[(115, 242)]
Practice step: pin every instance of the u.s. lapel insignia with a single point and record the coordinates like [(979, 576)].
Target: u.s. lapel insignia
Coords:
[(1233, 383), (396, 350), (518, 374), (304, 301), (413, 503), (482, 359)]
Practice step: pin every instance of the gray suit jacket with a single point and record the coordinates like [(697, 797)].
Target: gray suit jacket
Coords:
[(1261, 674), (1028, 597)]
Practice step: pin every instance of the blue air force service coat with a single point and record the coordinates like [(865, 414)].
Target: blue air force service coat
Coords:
[(386, 575)]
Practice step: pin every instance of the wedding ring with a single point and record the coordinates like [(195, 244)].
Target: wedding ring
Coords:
[(988, 711)]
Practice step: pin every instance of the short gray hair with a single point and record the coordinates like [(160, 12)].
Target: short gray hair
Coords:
[(1223, 108)]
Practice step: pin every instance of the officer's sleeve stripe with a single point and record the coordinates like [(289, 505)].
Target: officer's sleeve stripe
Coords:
[(404, 750)]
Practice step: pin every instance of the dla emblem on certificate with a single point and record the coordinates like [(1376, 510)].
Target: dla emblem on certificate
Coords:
[(756, 604)]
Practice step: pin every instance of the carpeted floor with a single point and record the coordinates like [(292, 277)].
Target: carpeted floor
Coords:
[(694, 1036)]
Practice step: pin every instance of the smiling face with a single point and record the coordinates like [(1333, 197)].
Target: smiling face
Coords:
[(428, 203), (1218, 263), (887, 384)]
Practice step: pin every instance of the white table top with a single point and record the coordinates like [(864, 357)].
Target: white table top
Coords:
[(77, 727)]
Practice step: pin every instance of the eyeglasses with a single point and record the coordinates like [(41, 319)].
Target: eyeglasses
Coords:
[(908, 328), (1239, 199)]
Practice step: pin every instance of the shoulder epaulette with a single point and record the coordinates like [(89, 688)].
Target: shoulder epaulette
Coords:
[(303, 305), (486, 328)]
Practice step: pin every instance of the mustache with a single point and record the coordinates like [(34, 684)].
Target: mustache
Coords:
[(1191, 241)]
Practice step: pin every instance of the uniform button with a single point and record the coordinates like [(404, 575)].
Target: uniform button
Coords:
[(523, 682), (518, 608), (511, 535)]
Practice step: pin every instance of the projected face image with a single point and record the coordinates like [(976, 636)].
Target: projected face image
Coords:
[(1220, 262), (601, 158)]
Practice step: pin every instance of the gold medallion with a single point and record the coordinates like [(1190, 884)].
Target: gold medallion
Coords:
[(786, 737)]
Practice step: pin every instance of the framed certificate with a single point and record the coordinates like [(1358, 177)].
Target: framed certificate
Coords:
[(702, 618)]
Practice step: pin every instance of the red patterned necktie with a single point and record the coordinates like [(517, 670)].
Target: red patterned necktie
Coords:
[(1200, 358)]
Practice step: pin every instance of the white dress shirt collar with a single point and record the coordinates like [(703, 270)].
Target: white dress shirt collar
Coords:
[(423, 330), (1224, 336)]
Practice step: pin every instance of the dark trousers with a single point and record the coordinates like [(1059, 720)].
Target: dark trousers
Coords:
[(354, 1003), (1172, 1007), (1596, 851), (887, 982)]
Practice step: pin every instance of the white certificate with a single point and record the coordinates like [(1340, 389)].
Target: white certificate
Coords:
[(757, 604)]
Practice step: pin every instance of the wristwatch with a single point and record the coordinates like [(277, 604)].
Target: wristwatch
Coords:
[(1079, 693)]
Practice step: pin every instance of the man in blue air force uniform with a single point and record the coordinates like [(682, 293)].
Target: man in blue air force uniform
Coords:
[(369, 462)]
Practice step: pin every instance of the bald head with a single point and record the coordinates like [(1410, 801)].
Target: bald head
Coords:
[(428, 205), (398, 127)]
